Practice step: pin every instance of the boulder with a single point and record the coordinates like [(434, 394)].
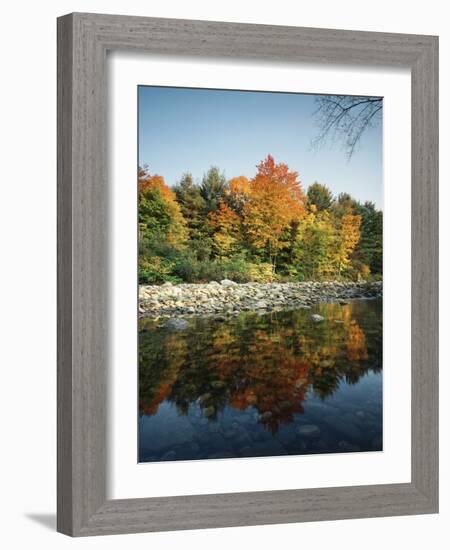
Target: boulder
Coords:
[(227, 283), (317, 318)]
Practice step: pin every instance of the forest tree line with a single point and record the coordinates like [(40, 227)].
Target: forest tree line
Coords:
[(261, 229)]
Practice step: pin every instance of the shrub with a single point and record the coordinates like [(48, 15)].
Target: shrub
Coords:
[(186, 267), (156, 270), (261, 273)]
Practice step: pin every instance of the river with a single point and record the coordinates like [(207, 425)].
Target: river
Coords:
[(262, 384)]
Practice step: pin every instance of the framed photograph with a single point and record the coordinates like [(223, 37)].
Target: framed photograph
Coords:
[(247, 274)]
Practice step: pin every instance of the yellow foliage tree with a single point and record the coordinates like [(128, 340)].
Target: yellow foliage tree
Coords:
[(226, 227), (348, 237), (313, 248), (238, 193)]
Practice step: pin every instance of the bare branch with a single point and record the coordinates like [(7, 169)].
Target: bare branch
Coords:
[(343, 117)]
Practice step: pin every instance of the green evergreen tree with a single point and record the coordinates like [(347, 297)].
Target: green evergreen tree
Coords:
[(191, 203), (320, 196), (369, 251), (213, 188)]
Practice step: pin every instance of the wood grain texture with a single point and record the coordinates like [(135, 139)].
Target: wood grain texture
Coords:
[(83, 40), (64, 229), (425, 267)]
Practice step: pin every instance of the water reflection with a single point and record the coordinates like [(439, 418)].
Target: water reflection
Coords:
[(236, 387)]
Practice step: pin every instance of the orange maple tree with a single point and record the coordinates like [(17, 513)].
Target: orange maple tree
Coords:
[(275, 201)]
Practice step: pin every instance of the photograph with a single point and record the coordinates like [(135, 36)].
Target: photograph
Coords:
[(260, 273), (230, 239)]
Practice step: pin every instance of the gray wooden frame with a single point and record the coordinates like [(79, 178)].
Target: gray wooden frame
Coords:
[(83, 40)]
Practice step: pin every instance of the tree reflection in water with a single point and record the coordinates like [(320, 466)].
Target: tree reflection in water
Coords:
[(269, 364)]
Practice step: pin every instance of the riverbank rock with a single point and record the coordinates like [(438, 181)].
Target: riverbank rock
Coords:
[(226, 283), (228, 298)]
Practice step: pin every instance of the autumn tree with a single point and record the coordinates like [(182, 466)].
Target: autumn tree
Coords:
[(238, 193), (348, 238), (275, 201), (161, 227), (258, 229), (314, 247), (343, 204), (159, 212), (226, 230)]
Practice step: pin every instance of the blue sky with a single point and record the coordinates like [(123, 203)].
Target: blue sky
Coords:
[(189, 130)]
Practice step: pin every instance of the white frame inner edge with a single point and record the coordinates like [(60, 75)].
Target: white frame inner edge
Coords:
[(127, 478)]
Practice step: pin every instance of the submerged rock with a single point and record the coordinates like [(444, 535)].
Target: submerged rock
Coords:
[(209, 411), (204, 398), (177, 324), (317, 318), (308, 430)]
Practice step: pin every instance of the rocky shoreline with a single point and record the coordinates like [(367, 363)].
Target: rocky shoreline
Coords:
[(227, 298)]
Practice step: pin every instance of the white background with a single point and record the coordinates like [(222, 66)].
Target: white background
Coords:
[(28, 299), (130, 480)]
